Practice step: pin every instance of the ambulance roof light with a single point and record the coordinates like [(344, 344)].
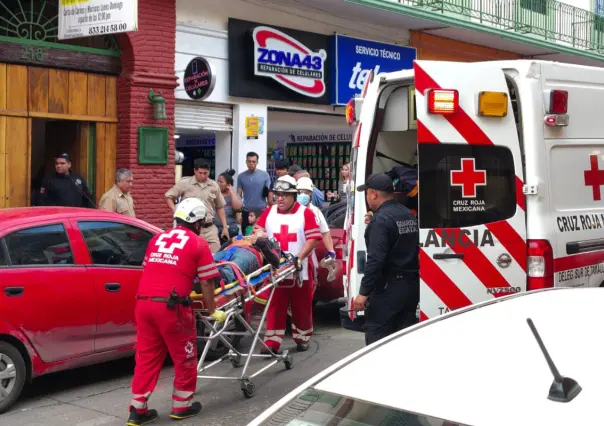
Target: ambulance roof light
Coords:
[(558, 102), (443, 101)]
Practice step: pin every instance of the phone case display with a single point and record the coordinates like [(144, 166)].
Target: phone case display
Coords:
[(323, 161), (208, 154)]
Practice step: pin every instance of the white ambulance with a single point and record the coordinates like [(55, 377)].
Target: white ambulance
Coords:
[(510, 159)]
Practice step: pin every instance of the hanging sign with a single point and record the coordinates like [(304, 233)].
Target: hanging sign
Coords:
[(85, 18), (252, 127), (199, 80)]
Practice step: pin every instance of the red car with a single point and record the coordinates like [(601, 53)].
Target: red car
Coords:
[(68, 281)]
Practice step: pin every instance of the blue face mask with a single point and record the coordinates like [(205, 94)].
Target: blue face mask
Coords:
[(303, 199)]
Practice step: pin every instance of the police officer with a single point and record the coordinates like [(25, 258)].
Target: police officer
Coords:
[(64, 187), (389, 291), (207, 190)]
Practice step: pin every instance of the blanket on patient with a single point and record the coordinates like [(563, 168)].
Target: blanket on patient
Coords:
[(247, 256)]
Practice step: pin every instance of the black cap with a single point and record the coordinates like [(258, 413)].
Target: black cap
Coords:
[(293, 169), (379, 182), (62, 155), (281, 164)]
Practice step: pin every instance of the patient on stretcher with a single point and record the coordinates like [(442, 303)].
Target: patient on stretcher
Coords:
[(240, 257)]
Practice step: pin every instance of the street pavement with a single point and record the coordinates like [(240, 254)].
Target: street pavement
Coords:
[(99, 395)]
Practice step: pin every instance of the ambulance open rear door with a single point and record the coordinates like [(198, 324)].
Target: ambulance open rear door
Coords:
[(471, 204)]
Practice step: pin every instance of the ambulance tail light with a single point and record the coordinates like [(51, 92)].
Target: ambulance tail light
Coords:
[(443, 101), (540, 265)]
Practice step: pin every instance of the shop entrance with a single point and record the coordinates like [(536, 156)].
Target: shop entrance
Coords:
[(53, 137), (45, 112)]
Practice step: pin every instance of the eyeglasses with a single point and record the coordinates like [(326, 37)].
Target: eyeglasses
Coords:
[(281, 185)]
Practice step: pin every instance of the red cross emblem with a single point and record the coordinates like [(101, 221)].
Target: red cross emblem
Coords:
[(284, 237), (175, 239), (468, 178), (594, 177)]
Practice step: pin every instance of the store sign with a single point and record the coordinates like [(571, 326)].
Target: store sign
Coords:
[(356, 58), (274, 63), (196, 141), (84, 18), (289, 62), (199, 79)]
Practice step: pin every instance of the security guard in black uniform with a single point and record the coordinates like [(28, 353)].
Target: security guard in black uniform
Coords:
[(389, 291), (64, 187)]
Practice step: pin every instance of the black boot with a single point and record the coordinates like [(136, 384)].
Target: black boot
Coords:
[(136, 419), (302, 347), (193, 410)]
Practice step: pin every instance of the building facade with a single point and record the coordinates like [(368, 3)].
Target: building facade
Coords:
[(254, 98), (87, 97)]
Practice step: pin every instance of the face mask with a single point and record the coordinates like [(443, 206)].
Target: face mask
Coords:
[(303, 199)]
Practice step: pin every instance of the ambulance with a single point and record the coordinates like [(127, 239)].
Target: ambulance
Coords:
[(510, 164)]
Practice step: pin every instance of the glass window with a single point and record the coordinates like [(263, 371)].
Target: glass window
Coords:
[(465, 185), (41, 245), (3, 256), (114, 243), (317, 408)]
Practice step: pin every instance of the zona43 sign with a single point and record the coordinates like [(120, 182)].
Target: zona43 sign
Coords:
[(289, 62)]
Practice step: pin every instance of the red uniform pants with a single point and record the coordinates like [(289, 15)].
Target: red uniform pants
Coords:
[(160, 330), (300, 300)]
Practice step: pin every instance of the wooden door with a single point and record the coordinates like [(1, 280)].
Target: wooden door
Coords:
[(15, 153), (106, 135)]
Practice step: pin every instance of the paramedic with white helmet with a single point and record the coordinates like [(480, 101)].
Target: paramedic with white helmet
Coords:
[(305, 190), (296, 228)]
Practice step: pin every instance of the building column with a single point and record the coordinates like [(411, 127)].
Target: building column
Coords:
[(148, 63), (242, 145)]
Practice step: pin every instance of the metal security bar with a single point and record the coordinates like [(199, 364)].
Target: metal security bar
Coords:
[(37, 22), (548, 20)]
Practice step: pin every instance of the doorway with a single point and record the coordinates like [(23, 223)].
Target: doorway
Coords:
[(50, 138)]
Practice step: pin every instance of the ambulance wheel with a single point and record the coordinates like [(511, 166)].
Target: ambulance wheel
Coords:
[(248, 389), (289, 362)]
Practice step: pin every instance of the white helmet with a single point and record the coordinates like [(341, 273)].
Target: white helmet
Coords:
[(191, 210), (285, 184), (305, 183)]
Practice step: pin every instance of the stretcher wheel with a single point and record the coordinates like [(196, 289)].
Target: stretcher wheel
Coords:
[(248, 389), (289, 362)]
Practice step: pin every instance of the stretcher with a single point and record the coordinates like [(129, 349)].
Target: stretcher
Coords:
[(258, 286)]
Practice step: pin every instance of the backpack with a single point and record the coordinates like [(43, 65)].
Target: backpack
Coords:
[(405, 183)]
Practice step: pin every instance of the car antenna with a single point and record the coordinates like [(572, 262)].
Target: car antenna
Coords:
[(563, 389)]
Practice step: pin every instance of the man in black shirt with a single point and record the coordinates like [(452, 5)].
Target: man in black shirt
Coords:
[(64, 187), (389, 291)]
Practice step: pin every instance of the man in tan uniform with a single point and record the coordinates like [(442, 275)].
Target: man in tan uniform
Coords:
[(205, 189), (118, 198)]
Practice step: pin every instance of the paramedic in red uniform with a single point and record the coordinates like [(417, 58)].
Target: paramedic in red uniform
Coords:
[(389, 291), (164, 317), (296, 228)]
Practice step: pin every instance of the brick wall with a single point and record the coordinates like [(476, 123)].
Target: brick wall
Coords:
[(147, 63)]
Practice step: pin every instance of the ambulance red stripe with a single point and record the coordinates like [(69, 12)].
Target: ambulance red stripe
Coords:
[(424, 135), (520, 200), (475, 259), (441, 284), (422, 316), (511, 240), (578, 260)]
